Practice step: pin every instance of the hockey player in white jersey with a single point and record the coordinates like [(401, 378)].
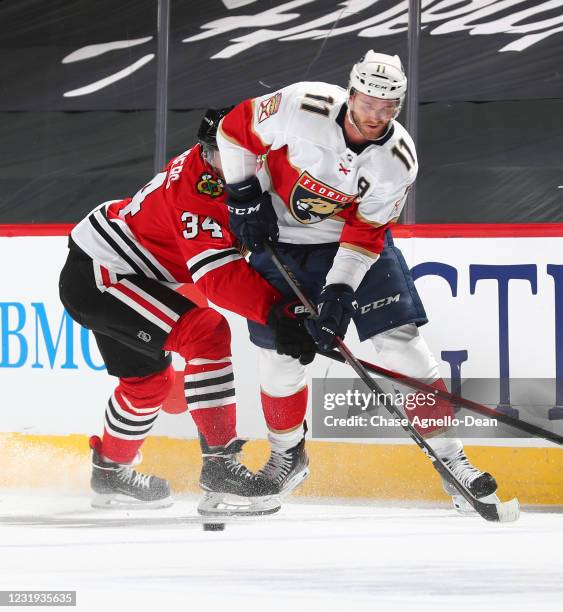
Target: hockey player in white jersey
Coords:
[(335, 167)]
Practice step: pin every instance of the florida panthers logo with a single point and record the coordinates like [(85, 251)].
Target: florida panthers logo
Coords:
[(312, 201), (210, 185)]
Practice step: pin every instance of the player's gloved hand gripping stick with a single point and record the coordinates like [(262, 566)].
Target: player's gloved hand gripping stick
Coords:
[(290, 335), (251, 214), (337, 306), (501, 512)]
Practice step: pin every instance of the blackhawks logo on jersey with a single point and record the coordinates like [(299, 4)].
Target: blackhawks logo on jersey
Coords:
[(210, 185), (312, 201)]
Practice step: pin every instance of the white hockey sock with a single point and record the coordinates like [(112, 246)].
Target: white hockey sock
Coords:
[(285, 441), (445, 448)]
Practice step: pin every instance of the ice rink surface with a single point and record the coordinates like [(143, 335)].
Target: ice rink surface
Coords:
[(310, 556)]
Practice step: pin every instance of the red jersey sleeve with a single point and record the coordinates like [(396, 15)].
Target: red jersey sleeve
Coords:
[(208, 250), (219, 270), (362, 235)]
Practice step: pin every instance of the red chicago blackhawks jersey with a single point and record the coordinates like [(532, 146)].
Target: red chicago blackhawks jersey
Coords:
[(322, 190), (175, 229)]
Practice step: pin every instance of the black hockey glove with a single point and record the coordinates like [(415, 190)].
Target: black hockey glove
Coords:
[(251, 215), (337, 306), (287, 319)]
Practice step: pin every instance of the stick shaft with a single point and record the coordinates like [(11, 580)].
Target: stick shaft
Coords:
[(488, 511)]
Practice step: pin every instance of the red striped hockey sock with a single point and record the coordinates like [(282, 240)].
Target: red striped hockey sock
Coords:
[(131, 412), (210, 395)]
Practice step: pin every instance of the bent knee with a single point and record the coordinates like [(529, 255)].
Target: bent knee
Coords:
[(280, 375), (200, 333), (148, 391)]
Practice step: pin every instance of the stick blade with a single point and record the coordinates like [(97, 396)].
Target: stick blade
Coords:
[(509, 511), (501, 512)]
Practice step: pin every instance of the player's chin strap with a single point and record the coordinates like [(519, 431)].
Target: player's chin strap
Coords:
[(502, 512), (351, 119)]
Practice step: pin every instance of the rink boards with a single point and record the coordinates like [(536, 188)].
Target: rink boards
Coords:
[(494, 303)]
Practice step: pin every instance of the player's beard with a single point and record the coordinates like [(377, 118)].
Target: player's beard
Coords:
[(366, 132)]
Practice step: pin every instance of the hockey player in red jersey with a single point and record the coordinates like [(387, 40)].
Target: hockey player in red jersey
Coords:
[(335, 169), (126, 259)]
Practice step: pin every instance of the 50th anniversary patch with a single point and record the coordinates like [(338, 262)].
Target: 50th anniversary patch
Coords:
[(269, 107)]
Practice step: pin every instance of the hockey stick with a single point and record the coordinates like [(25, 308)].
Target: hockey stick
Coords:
[(502, 512), (413, 383)]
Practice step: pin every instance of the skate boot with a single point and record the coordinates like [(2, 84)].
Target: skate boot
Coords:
[(287, 468), (119, 486), (480, 484), (230, 488)]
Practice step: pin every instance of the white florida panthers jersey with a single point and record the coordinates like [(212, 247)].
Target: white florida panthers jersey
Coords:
[(323, 190)]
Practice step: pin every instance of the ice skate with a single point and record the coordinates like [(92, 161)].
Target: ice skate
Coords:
[(119, 486), (230, 488), (287, 468), (480, 484)]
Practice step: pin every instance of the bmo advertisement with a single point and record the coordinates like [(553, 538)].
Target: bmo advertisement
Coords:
[(494, 303)]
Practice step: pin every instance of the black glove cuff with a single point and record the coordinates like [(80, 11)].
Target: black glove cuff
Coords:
[(336, 291), (273, 315), (339, 288), (289, 310), (278, 312), (244, 192)]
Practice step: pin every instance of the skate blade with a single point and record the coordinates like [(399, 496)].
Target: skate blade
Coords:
[(294, 482), (226, 504), (117, 501)]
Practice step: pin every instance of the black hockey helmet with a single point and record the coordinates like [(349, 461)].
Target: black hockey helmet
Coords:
[(207, 133)]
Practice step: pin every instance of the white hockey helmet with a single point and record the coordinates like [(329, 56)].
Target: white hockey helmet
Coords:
[(381, 76)]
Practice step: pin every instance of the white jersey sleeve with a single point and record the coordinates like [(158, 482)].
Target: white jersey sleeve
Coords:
[(257, 126)]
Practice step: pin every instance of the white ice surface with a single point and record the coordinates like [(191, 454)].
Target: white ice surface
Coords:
[(310, 556)]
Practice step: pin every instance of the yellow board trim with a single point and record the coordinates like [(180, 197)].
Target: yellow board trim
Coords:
[(372, 471)]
